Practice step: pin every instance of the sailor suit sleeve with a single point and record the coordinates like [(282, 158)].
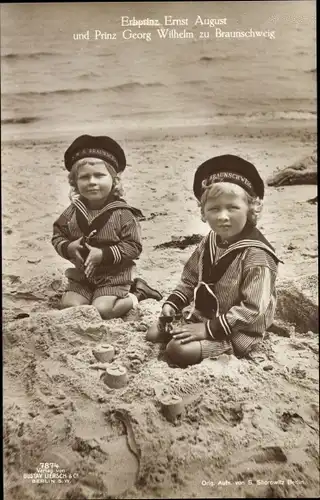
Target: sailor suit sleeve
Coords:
[(61, 237), (183, 294), (256, 289), (129, 247)]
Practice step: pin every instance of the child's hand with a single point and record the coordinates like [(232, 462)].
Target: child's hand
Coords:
[(74, 252), (168, 310), (94, 259), (190, 332)]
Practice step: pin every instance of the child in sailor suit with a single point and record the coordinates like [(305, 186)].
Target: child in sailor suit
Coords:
[(99, 232), (230, 277)]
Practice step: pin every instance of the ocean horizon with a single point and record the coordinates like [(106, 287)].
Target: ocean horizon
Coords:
[(54, 81)]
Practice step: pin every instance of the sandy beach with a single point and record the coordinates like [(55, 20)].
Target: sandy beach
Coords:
[(250, 429)]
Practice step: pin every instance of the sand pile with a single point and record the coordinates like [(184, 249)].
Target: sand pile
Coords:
[(244, 421)]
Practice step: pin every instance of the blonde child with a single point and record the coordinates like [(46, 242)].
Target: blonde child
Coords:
[(231, 274), (99, 232)]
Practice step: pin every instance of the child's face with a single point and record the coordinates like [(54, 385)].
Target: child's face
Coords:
[(226, 213), (94, 181)]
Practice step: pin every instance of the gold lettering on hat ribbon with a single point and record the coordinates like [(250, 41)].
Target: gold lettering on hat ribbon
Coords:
[(93, 151), (221, 176)]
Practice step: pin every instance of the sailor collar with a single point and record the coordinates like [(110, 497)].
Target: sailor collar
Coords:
[(250, 236)]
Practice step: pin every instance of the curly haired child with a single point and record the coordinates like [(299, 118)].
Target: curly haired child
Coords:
[(99, 232)]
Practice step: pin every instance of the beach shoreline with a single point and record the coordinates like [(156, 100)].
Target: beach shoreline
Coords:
[(304, 130)]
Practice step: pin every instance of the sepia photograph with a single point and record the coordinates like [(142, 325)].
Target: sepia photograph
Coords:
[(159, 250)]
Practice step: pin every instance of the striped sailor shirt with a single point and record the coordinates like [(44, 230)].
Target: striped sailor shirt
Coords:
[(233, 286), (117, 233)]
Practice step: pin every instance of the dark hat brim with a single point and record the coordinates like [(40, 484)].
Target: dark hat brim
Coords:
[(102, 147), (228, 163)]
